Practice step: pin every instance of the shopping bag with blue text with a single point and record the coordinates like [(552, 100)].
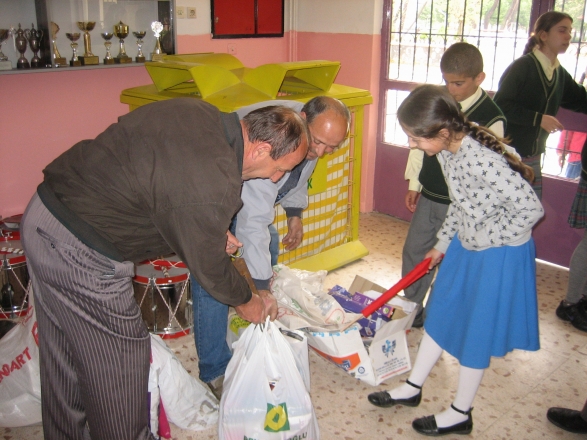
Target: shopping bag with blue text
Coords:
[(264, 394)]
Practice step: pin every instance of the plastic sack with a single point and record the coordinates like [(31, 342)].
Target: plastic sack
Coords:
[(158, 423), (301, 291), (189, 404), (298, 342), (20, 380), (264, 394), (296, 339)]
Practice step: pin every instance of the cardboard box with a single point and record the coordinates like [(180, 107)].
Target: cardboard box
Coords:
[(371, 360), (355, 303)]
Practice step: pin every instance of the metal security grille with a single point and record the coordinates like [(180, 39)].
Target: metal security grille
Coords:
[(421, 30)]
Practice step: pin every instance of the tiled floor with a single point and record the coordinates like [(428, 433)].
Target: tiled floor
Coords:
[(514, 395)]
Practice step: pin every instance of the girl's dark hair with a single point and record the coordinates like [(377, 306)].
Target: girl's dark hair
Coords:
[(429, 109), (544, 23)]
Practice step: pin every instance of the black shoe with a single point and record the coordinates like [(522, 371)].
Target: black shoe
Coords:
[(575, 313), (418, 320), (427, 425), (567, 419), (384, 400)]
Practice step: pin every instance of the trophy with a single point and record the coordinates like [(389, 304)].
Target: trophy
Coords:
[(88, 58), (74, 59), (121, 31), (157, 54), (58, 60), (34, 37), (4, 63), (21, 44), (107, 43), (140, 58)]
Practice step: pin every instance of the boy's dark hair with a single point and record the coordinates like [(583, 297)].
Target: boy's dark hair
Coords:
[(462, 59)]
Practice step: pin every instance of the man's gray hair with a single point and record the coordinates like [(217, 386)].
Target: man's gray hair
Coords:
[(281, 127)]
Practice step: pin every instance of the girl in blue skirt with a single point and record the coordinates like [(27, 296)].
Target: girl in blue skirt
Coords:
[(484, 301)]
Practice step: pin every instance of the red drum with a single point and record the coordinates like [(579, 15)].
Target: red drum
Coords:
[(162, 289), (14, 277)]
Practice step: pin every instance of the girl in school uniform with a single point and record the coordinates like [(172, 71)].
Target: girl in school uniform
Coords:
[(534, 86), (484, 301)]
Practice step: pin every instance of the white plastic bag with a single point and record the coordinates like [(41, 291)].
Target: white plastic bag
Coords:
[(301, 291), (20, 380), (188, 403), (264, 396), (298, 343)]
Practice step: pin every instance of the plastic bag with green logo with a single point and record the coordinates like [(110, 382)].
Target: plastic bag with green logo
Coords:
[(264, 395)]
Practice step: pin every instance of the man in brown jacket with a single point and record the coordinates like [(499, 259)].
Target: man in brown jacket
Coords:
[(165, 179)]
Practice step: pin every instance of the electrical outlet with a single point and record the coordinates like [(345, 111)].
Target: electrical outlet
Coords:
[(180, 11), (191, 12), (232, 49)]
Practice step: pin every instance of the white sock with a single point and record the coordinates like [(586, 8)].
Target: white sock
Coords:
[(428, 354), (449, 417), (469, 381), (404, 391)]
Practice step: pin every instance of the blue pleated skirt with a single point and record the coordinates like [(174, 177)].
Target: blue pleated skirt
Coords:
[(484, 303)]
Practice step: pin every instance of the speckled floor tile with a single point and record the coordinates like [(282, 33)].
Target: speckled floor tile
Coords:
[(513, 398)]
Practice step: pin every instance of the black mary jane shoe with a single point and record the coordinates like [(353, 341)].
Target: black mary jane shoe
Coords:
[(384, 400), (427, 425)]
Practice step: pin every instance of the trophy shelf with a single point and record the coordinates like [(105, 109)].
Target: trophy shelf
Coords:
[(57, 35)]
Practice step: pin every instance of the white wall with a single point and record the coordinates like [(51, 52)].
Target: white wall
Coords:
[(202, 23), (340, 16)]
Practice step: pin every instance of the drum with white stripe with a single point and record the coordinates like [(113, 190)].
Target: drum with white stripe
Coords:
[(163, 292)]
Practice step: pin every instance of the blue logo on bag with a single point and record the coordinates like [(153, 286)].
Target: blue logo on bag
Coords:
[(388, 348), (276, 419)]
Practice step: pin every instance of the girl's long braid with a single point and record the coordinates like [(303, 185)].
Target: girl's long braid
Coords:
[(489, 140), (429, 109)]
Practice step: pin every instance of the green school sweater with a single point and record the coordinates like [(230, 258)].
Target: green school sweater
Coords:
[(525, 94)]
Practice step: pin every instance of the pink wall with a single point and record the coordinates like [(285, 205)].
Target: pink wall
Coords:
[(45, 113), (359, 56), (252, 52)]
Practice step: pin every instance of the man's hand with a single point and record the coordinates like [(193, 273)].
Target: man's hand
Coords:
[(550, 124), (253, 311), (411, 200), (232, 243), (270, 303), (295, 233)]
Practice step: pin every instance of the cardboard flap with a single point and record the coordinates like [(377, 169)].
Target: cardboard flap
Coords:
[(361, 285)]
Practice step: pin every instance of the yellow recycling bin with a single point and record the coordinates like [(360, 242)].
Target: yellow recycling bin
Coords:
[(331, 221)]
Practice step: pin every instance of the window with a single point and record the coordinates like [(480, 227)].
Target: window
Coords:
[(421, 30)]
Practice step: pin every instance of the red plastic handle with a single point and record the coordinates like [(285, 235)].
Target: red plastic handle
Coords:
[(414, 275)]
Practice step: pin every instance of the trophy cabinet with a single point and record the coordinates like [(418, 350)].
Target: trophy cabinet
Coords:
[(54, 32)]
